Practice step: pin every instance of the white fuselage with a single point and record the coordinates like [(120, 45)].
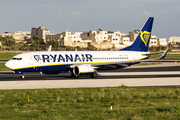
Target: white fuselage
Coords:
[(38, 61)]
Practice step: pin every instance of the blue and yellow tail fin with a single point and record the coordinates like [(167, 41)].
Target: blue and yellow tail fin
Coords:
[(141, 43)]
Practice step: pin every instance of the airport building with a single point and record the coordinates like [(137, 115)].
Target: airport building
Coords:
[(133, 34), (40, 32), (62, 38), (76, 37), (126, 40), (163, 41), (20, 36), (155, 41), (100, 38), (6, 34), (56, 37), (68, 39), (115, 37), (174, 40)]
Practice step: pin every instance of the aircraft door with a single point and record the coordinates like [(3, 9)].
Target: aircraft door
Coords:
[(134, 56), (31, 60)]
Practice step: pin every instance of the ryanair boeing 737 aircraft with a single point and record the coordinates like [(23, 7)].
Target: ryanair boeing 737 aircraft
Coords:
[(85, 62)]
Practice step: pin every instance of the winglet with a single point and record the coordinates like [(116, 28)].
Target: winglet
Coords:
[(165, 53), (49, 49)]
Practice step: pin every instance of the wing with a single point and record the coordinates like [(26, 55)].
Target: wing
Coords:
[(50, 47), (130, 62), (164, 52)]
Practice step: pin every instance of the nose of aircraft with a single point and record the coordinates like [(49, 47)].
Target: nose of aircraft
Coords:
[(9, 64)]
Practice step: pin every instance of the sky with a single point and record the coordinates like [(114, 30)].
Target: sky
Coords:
[(83, 15)]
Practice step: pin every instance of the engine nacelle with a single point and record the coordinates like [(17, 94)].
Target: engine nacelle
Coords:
[(83, 70)]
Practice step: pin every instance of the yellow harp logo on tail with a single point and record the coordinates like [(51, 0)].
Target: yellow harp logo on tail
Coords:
[(145, 37)]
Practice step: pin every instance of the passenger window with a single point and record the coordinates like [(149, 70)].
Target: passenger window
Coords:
[(16, 58), (19, 58)]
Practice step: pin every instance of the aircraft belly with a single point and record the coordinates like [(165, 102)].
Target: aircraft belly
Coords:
[(45, 68)]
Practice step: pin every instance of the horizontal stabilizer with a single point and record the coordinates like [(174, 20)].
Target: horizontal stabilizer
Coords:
[(165, 53)]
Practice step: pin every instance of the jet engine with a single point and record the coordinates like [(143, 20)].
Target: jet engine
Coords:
[(83, 70)]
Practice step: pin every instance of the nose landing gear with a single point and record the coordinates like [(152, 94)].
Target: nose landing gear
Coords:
[(22, 76)]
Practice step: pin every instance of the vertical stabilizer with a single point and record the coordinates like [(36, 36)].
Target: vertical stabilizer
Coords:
[(141, 43)]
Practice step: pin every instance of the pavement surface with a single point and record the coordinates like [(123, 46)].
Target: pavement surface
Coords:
[(163, 75), (77, 83)]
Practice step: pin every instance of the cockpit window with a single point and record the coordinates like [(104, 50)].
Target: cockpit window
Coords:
[(16, 58)]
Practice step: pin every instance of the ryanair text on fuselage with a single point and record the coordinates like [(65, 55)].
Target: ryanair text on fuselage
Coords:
[(64, 58)]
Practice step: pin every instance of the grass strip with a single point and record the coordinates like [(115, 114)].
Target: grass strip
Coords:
[(168, 56), (7, 55), (3, 67), (152, 63), (91, 103)]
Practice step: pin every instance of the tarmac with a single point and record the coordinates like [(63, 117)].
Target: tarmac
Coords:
[(161, 75)]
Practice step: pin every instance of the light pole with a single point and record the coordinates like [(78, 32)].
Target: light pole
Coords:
[(38, 45), (1, 44)]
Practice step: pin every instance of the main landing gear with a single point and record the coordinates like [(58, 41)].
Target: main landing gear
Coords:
[(94, 75), (73, 75)]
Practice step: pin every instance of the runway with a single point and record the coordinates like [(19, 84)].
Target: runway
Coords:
[(103, 80), (138, 76)]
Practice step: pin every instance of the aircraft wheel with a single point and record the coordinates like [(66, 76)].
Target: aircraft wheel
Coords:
[(22, 76), (73, 75), (94, 75)]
